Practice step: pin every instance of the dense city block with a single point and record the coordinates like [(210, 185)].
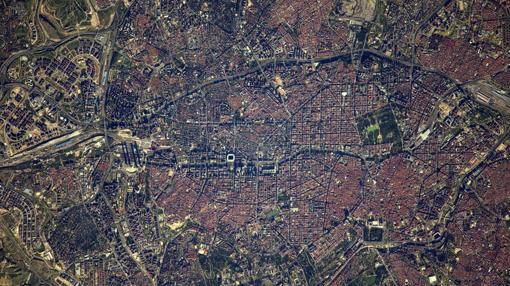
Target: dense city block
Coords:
[(254, 142)]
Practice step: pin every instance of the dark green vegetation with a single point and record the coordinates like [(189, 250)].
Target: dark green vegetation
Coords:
[(379, 127), (484, 115), (69, 14), (75, 235), (272, 214), (367, 270), (214, 262), (21, 32), (373, 234), (119, 61), (329, 264), (309, 268), (105, 15), (380, 9)]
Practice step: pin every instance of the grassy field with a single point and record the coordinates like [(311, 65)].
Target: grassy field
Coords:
[(105, 15), (69, 13)]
